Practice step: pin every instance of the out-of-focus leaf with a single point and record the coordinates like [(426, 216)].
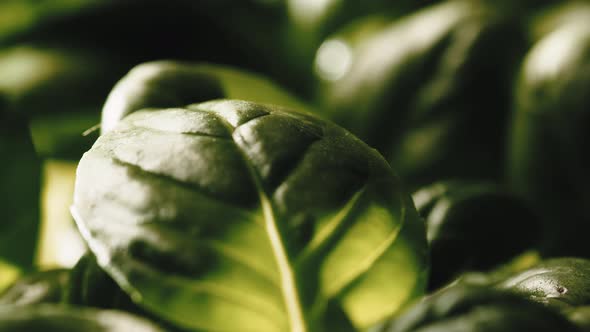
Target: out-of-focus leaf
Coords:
[(175, 84), (135, 31), (60, 244), (20, 16), (431, 90), (274, 218), (284, 35), (464, 308), (91, 286), (560, 283), (19, 190), (548, 158), (8, 274), (464, 221), (40, 287), (61, 90), (48, 318), (580, 316)]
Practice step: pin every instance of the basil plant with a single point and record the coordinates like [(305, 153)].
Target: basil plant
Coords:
[(231, 215)]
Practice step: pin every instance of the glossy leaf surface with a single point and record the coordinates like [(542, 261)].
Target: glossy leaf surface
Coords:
[(429, 90), (561, 282), (40, 287), (277, 219), (467, 308)]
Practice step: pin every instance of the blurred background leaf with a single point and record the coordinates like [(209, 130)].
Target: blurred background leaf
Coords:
[(20, 176)]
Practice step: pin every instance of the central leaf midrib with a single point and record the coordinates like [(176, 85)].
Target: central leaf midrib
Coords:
[(294, 309)]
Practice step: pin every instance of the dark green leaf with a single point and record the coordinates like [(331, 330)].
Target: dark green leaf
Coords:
[(39, 287), (466, 309), (550, 135), (92, 287), (19, 190), (560, 282), (63, 319), (464, 221)]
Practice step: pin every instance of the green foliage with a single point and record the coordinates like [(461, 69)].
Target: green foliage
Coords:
[(48, 318), (90, 286), (549, 135), (430, 91), (19, 192), (36, 288), (235, 209), (467, 308), (464, 221), (216, 201), (167, 84), (562, 283)]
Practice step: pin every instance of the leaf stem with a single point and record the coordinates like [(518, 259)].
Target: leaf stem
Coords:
[(288, 282)]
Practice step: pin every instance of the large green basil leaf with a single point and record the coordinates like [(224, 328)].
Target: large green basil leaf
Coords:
[(464, 221), (559, 282), (48, 318), (430, 91), (19, 190), (231, 215), (549, 140), (464, 308), (175, 84)]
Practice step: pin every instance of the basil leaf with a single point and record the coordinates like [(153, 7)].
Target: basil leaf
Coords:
[(431, 91), (90, 286), (464, 308), (61, 90), (40, 287), (231, 215), (560, 282), (549, 135), (48, 318), (19, 192), (464, 221), (175, 84)]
